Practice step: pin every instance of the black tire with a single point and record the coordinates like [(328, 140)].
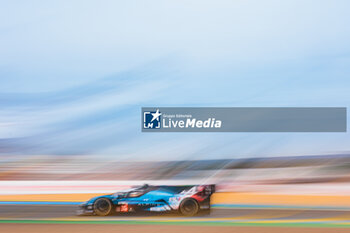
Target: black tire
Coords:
[(103, 207), (189, 207)]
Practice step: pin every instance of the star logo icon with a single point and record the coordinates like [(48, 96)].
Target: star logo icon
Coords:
[(156, 115), (152, 119)]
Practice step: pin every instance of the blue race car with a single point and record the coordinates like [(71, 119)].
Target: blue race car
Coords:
[(188, 200)]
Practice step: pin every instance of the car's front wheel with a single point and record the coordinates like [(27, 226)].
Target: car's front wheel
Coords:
[(189, 207), (103, 207)]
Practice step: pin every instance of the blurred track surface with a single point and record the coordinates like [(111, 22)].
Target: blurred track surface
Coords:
[(219, 217), (77, 228)]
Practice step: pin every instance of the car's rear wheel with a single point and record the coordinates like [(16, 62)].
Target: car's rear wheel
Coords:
[(189, 207), (103, 207)]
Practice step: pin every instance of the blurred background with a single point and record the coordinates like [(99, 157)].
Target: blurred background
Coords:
[(75, 74)]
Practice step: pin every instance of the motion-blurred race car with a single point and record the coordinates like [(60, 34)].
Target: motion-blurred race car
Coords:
[(187, 200)]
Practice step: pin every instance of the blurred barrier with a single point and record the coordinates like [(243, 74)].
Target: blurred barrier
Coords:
[(300, 201), (241, 200), (283, 181), (110, 186), (79, 186)]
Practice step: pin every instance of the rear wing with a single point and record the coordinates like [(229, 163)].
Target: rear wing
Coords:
[(203, 189), (208, 189)]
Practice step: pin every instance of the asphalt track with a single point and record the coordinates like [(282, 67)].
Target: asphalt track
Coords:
[(220, 217)]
